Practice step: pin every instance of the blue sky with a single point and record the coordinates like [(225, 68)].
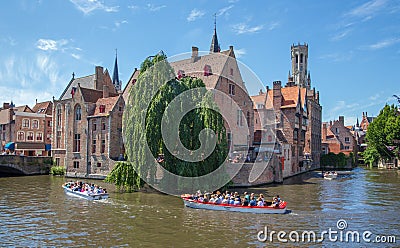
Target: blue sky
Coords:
[(354, 46)]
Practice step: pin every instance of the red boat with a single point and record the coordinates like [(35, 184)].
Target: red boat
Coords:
[(189, 202)]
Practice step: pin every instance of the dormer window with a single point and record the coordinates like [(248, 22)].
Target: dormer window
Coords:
[(102, 108), (207, 70), (181, 74)]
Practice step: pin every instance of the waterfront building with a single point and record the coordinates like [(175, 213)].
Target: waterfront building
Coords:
[(219, 71), (87, 125), (296, 113), (338, 138), (365, 121), (27, 130)]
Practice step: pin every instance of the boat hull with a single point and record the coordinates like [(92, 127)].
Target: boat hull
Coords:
[(82, 195), (231, 208)]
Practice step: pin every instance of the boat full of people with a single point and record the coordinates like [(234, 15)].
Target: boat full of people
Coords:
[(248, 203), (330, 175), (85, 190)]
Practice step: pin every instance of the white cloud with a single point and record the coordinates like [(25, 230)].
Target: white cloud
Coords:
[(48, 44), (382, 44), (242, 28), (224, 10), (240, 52), (88, 6), (133, 7), (119, 23), (194, 15), (368, 9), (153, 7), (341, 35), (273, 25), (76, 56)]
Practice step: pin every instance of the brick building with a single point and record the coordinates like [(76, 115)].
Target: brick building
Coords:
[(29, 130), (219, 71), (338, 138), (87, 125), (296, 115)]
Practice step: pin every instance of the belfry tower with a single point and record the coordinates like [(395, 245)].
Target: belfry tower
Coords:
[(300, 74)]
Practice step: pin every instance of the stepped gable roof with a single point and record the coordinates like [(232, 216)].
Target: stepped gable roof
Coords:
[(43, 108), (108, 104)]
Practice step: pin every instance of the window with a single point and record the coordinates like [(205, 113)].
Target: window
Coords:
[(94, 125), (239, 119), (229, 140), (49, 123), (231, 71), (293, 151), (347, 139), (120, 108), (260, 106), (35, 124), (94, 146), (58, 116), (207, 70), (337, 130), (57, 161), (347, 147), (181, 74), (77, 143), (102, 108), (39, 136), (103, 146), (29, 136), (21, 136), (4, 127), (103, 125), (297, 58), (301, 58), (98, 164), (58, 139), (78, 113), (76, 164), (295, 134), (248, 119), (25, 123), (231, 89)]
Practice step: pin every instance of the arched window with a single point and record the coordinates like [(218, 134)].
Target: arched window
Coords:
[(35, 124), (78, 113), (248, 118), (25, 123), (21, 136), (297, 58), (301, 58)]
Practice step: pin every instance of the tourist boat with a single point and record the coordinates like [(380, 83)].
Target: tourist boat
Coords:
[(85, 195), (281, 209), (330, 175)]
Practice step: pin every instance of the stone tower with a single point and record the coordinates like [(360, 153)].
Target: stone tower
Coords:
[(299, 65)]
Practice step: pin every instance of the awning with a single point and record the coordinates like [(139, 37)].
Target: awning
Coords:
[(10, 146)]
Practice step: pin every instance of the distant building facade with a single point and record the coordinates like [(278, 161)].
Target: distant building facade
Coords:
[(337, 138)]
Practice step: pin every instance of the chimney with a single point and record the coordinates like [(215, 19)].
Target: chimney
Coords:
[(36, 100), (106, 91), (341, 119), (6, 105), (195, 54), (260, 92), (366, 114), (98, 81), (324, 131), (277, 94)]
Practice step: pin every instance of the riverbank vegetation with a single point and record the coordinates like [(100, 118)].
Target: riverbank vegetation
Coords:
[(57, 170), (383, 136)]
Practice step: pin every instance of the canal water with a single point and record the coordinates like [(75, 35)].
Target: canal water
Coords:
[(35, 212)]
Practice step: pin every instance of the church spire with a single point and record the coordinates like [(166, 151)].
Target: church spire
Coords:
[(214, 48), (115, 79)]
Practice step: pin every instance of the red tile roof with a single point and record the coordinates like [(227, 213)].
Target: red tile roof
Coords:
[(108, 104)]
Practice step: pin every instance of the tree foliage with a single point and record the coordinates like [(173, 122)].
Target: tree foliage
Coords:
[(383, 135)]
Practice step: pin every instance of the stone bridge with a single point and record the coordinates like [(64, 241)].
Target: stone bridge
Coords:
[(22, 165)]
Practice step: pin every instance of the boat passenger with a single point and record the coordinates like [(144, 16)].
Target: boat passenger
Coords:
[(260, 202), (225, 200), (231, 200), (246, 199), (237, 201), (253, 201), (218, 200)]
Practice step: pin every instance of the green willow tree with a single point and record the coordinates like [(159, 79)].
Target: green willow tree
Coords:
[(156, 75), (383, 135)]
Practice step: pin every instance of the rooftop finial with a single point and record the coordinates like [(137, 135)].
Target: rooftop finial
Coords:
[(215, 48), (73, 75), (215, 21)]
